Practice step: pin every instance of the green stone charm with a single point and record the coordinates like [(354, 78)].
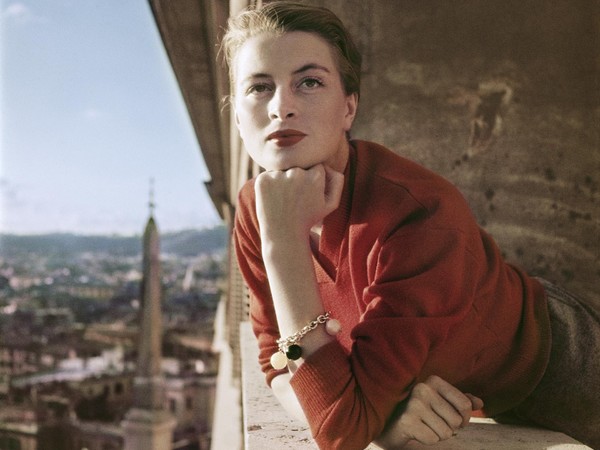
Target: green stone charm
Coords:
[(294, 352)]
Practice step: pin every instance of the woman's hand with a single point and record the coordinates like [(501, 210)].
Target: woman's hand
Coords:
[(289, 203), (435, 411)]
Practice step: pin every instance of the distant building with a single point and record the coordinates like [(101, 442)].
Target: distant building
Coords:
[(89, 291), (80, 388), (18, 435)]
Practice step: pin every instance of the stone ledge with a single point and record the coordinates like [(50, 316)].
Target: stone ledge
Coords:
[(267, 425)]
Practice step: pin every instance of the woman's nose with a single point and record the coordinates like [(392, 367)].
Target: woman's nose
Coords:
[(282, 105)]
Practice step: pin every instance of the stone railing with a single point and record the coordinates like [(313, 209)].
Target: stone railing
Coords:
[(268, 426)]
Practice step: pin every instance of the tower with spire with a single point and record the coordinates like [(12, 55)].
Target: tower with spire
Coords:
[(148, 425)]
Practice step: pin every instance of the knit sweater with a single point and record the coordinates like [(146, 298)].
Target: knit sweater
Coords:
[(419, 288)]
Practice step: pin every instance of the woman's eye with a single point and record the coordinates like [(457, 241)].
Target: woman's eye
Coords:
[(311, 82), (258, 88)]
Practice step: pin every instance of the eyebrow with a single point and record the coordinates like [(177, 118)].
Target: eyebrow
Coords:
[(304, 68), (310, 66)]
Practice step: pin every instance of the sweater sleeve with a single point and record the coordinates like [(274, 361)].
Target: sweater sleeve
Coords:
[(415, 296)]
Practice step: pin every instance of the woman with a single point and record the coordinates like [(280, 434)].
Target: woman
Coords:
[(340, 232)]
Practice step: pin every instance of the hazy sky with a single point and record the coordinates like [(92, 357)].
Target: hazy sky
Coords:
[(90, 112)]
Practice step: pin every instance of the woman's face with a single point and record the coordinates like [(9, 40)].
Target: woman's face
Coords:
[(290, 104)]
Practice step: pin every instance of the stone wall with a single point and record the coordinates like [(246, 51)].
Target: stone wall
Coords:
[(502, 97)]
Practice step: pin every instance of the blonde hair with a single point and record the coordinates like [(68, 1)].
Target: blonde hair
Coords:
[(282, 17)]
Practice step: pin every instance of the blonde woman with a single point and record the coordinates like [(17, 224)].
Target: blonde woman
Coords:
[(377, 301)]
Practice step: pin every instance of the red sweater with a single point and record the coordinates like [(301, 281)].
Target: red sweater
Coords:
[(419, 289)]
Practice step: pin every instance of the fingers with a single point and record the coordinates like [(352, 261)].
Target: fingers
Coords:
[(422, 423), (476, 402), (290, 202), (434, 412), (324, 180), (452, 398), (440, 427), (430, 433), (435, 409)]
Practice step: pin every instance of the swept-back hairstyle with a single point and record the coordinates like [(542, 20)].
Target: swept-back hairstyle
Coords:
[(280, 17)]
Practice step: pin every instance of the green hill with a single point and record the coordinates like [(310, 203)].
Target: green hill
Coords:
[(183, 243)]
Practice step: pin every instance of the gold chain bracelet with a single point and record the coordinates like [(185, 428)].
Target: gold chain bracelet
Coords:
[(289, 348)]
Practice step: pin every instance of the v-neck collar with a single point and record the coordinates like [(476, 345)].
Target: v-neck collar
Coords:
[(335, 225)]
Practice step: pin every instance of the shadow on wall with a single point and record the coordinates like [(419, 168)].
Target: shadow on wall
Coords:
[(502, 98)]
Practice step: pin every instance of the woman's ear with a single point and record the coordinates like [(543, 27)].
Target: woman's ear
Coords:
[(351, 108), (235, 114), (237, 119), (229, 101)]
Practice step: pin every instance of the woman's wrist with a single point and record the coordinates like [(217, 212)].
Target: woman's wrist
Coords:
[(279, 236), (280, 247)]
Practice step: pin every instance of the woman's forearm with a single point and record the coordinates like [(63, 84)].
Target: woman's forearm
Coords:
[(288, 205), (294, 290)]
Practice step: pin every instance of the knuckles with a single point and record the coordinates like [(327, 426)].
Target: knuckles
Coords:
[(422, 391), (444, 434), (455, 422), (464, 406), (430, 439), (292, 175), (434, 381)]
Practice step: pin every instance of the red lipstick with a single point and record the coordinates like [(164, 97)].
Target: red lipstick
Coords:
[(286, 138)]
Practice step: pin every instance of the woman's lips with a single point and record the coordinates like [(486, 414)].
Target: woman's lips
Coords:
[(286, 138)]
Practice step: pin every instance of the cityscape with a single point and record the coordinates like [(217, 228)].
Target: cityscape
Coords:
[(70, 315)]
